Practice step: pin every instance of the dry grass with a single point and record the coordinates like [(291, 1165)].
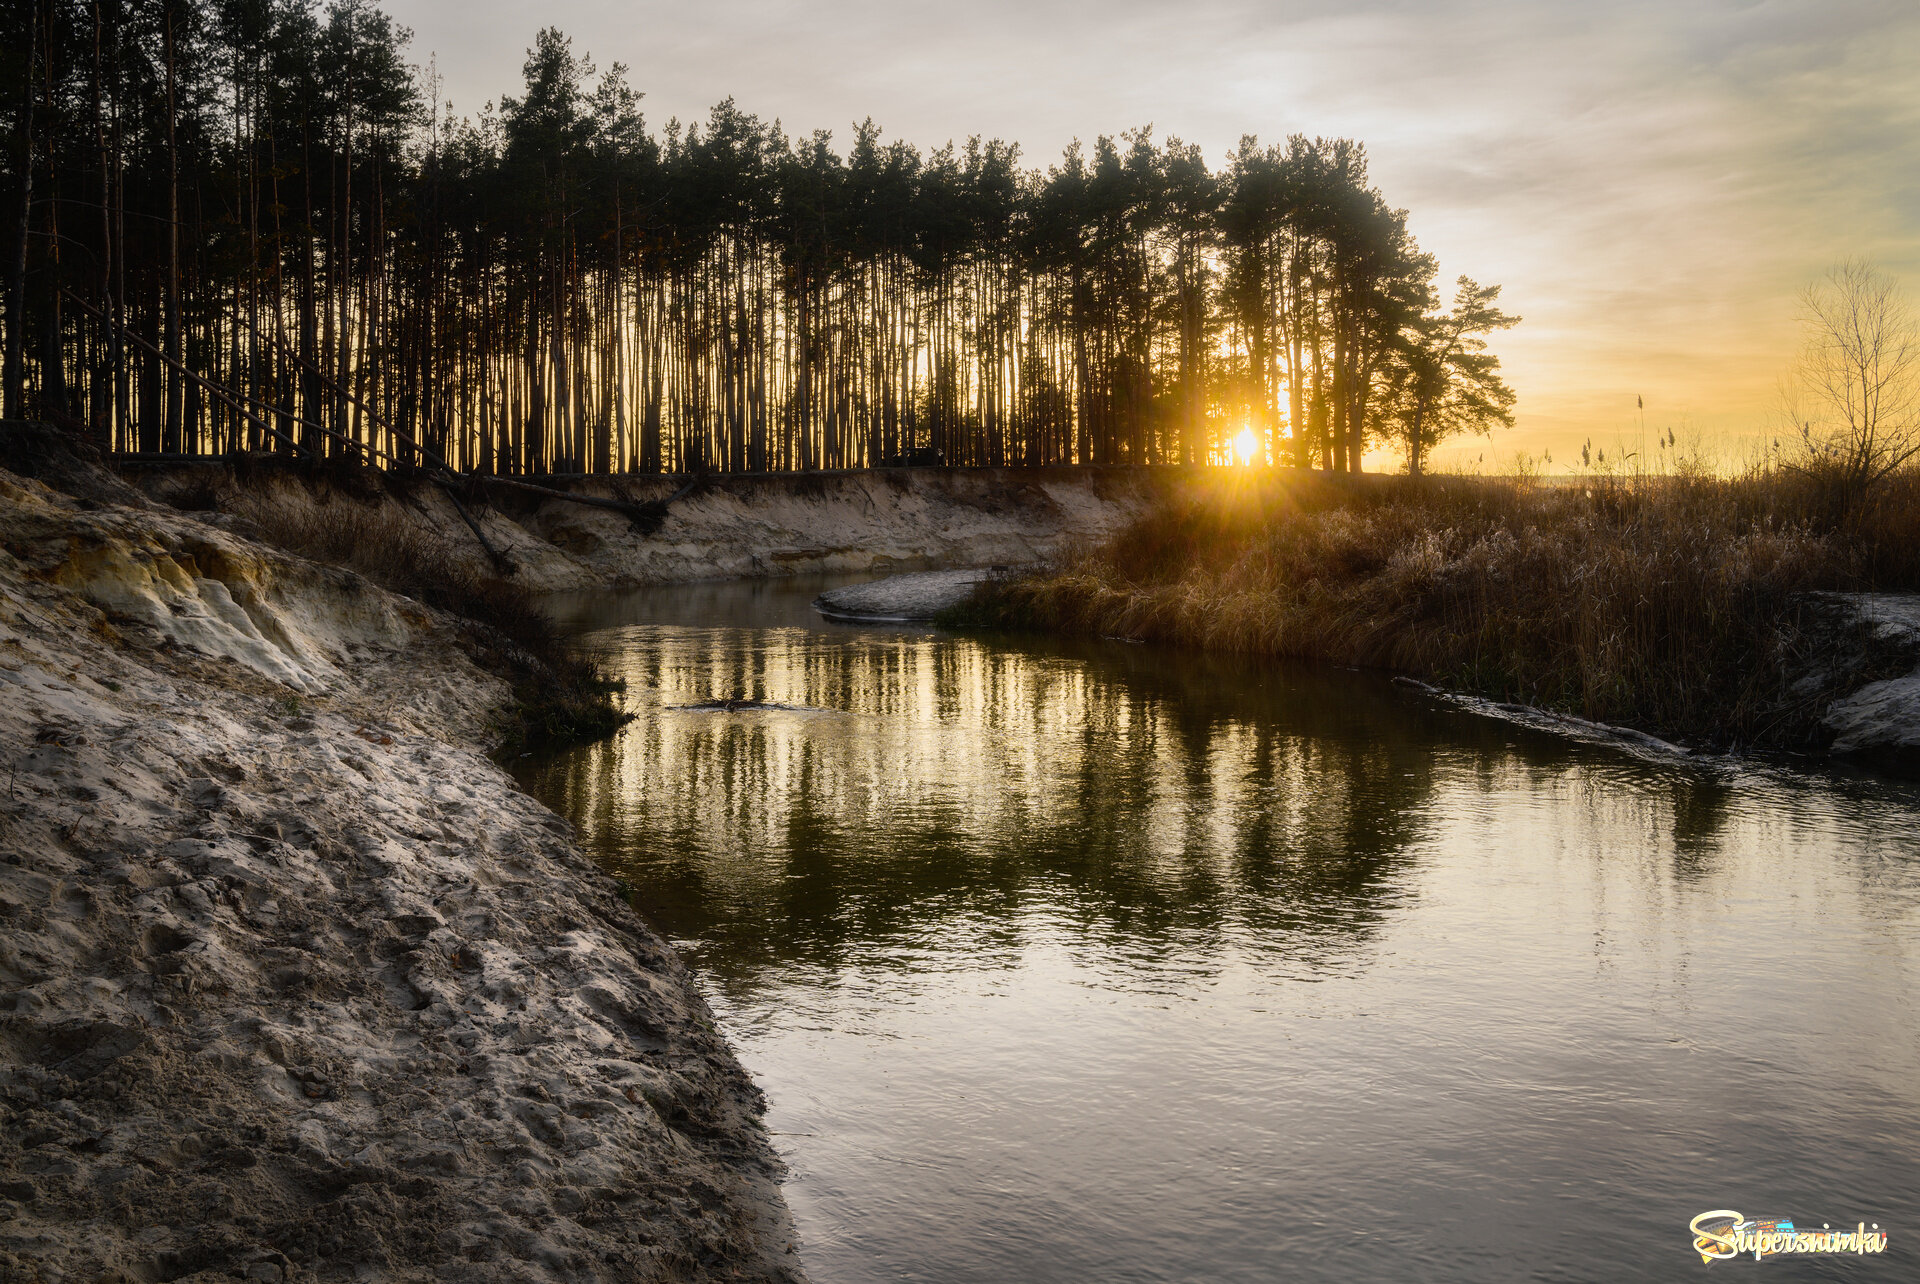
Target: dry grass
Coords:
[(1671, 603)]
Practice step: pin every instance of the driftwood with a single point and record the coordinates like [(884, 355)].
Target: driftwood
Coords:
[(645, 515), (501, 562)]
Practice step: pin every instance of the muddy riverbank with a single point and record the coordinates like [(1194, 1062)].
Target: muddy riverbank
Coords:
[(294, 983)]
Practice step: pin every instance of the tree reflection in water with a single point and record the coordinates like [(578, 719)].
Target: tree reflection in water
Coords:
[(1150, 798)]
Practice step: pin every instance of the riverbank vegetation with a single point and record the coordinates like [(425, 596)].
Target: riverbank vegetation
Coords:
[(1679, 604), (239, 225), (1670, 597)]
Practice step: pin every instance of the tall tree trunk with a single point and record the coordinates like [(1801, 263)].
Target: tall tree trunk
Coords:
[(172, 435), (106, 371), (14, 378)]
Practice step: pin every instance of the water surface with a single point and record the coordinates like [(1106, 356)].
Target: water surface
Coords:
[(1102, 962)]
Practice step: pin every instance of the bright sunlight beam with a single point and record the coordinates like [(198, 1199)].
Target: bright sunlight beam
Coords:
[(1246, 445)]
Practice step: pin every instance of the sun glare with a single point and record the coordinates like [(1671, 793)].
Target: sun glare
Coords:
[(1245, 445)]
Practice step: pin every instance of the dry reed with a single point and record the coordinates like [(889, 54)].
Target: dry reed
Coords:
[(1678, 604)]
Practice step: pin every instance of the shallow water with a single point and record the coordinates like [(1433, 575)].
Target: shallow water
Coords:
[(1103, 962)]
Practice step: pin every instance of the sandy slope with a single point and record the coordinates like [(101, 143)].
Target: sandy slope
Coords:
[(737, 526), (293, 982)]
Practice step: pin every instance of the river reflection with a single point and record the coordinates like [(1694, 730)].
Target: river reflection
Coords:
[(1074, 962)]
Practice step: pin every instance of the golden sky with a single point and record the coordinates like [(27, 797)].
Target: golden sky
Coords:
[(1652, 183)]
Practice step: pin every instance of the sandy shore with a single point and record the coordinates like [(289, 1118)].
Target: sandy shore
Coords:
[(294, 983), (913, 596)]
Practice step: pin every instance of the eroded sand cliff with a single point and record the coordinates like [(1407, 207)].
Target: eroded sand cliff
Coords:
[(729, 527), (294, 983)]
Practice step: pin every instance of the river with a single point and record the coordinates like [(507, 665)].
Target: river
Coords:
[(1067, 961)]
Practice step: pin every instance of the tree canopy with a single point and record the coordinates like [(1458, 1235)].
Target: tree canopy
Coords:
[(251, 224)]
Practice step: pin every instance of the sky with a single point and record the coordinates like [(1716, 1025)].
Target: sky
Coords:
[(1652, 184)]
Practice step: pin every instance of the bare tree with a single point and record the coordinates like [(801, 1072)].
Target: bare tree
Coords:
[(1855, 397)]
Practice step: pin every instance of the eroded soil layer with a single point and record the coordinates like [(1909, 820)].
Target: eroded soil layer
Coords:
[(727, 528)]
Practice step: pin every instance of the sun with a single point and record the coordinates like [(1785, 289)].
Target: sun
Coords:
[(1246, 445)]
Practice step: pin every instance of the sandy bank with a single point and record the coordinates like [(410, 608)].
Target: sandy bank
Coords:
[(294, 983), (915, 596), (735, 527)]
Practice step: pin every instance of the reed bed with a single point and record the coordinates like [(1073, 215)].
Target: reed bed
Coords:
[(1679, 604)]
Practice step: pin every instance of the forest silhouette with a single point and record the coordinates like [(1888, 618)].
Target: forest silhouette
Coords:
[(251, 225)]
